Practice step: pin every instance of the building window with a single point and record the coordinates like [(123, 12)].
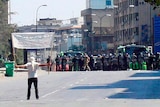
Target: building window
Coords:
[(136, 3), (108, 2)]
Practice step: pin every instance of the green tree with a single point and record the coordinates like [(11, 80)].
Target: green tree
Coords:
[(154, 3), (5, 29), (5, 33)]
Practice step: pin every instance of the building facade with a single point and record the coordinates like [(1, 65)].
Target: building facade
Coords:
[(67, 32), (98, 30), (50, 21), (74, 21), (99, 4), (43, 25), (70, 35), (133, 22)]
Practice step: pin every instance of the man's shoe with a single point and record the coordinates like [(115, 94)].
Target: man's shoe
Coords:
[(37, 98), (28, 98)]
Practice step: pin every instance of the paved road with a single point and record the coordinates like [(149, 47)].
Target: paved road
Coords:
[(84, 89)]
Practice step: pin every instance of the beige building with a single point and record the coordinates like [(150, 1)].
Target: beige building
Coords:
[(133, 22), (98, 30), (50, 22)]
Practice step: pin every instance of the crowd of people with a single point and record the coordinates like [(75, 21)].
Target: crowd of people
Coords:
[(72, 63), (107, 62)]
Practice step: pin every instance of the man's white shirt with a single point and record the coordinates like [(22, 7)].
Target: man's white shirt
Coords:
[(32, 69)]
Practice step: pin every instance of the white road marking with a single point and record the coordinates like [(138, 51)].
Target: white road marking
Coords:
[(71, 85), (76, 82), (82, 80), (49, 93), (106, 98), (83, 73), (63, 87)]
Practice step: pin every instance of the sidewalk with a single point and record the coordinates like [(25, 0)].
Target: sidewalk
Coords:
[(15, 69), (18, 72), (2, 71)]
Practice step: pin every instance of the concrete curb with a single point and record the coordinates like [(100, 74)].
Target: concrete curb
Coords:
[(2, 70)]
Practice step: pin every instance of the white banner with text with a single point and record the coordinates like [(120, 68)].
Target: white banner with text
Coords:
[(32, 40)]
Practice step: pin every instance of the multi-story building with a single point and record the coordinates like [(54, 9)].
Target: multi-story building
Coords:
[(43, 25), (98, 30), (133, 22), (67, 32), (74, 21), (71, 34), (99, 4), (98, 26), (50, 21)]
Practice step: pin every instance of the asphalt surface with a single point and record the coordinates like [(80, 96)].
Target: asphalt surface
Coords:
[(83, 89)]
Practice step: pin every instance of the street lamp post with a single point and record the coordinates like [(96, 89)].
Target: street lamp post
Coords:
[(133, 33), (72, 36), (36, 19), (86, 39), (123, 36), (100, 26), (37, 14)]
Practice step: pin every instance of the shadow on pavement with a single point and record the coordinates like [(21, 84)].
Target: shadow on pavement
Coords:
[(134, 88), (138, 89), (147, 74)]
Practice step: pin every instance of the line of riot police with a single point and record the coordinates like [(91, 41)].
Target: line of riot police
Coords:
[(108, 62), (72, 63), (115, 62)]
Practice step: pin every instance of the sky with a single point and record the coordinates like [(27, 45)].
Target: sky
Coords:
[(25, 10)]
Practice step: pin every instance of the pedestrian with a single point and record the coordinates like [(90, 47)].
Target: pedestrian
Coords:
[(58, 63), (64, 63), (70, 62), (125, 61), (92, 63), (49, 61), (134, 62), (99, 62), (75, 62), (86, 63), (32, 67)]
